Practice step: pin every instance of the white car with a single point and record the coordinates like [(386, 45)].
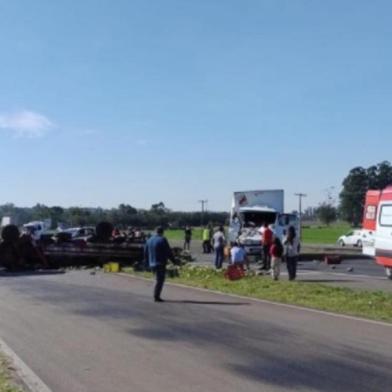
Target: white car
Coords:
[(355, 238)]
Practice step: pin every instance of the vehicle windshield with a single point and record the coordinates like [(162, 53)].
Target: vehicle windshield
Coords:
[(257, 219)]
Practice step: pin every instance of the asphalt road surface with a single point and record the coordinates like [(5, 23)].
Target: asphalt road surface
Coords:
[(101, 333)]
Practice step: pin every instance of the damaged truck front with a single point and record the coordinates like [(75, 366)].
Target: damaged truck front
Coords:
[(251, 210)]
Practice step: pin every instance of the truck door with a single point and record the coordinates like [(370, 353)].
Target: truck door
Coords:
[(384, 234)]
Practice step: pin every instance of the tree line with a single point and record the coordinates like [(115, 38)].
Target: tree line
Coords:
[(123, 216), (352, 197), (350, 208)]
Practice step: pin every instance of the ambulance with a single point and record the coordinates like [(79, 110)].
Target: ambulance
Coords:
[(377, 218)]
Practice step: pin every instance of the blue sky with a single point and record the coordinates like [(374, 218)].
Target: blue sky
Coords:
[(103, 102)]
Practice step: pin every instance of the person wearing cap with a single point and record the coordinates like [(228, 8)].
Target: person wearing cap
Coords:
[(157, 252)]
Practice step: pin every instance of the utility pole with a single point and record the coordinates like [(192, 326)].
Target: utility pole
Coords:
[(300, 196), (203, 203)]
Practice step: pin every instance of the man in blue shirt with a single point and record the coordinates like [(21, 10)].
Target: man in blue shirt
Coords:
[(157, 252)]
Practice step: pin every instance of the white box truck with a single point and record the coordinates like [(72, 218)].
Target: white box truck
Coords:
[(250, 210)]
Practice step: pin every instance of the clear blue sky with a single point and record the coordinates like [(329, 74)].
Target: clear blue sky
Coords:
[(103, 102)]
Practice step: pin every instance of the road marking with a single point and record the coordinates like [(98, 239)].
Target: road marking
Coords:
[(30, 379), (360, 276), (265, 301)]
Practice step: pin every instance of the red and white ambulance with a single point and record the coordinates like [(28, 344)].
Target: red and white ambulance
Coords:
[(377, 218)]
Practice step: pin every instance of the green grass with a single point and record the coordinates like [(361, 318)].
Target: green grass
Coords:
[(6, 384), (324, 234), (310, 235), (178, 234), (375, 305)]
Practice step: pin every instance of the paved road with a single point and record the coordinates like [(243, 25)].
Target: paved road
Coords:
[(101, 333)]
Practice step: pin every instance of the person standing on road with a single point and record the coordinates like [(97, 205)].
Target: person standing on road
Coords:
[(219, 241), (276, 253), (157, 252), (291, 249), (206, 240), (187, 238), (267, 242)]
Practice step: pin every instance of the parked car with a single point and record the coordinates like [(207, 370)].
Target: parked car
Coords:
[(355, 238)]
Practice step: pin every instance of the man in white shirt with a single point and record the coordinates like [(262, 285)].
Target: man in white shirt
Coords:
[(219, 242), (238, 255)]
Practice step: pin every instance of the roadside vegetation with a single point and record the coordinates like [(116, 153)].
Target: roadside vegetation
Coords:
[(6, 384), (324, 234), (374, 305), (310, 234)]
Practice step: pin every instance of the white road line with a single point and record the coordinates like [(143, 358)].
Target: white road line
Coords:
[(265, 301), (31, 380), (360, 276)]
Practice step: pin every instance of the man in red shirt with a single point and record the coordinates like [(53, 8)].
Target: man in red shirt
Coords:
[(266, 243)]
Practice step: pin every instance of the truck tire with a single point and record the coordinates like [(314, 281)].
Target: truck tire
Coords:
[(388, 271)]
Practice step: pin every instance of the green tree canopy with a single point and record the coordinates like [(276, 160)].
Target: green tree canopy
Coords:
[(357, 183)]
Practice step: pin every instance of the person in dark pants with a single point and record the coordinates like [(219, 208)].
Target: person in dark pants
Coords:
[(267, 242), (187, 238), (291, 247), (219, 241), (206, 240), (157, 252)]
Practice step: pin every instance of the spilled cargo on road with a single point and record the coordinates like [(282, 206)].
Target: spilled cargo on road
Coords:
[(19, 251)]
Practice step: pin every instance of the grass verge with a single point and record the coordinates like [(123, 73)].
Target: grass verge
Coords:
[(324, 234), (6, 384), (179, 235), (310, 235), (375, 305)]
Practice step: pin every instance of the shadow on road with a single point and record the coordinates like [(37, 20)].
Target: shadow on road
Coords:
[(7, 274)]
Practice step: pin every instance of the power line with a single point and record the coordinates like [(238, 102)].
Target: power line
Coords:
[(203, 203)]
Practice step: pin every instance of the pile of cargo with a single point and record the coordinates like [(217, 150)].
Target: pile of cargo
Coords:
[(102, 244)]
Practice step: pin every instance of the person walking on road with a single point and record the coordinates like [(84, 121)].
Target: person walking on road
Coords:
[(291, 250), (276, 253), (187, 238), (157, 252), (219, 242), (267, 242)]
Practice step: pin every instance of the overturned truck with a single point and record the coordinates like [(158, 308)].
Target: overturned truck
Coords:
[(21, 251)]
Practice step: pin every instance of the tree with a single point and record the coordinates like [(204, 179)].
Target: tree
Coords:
[(327, 213), (355, 186), (159, 208), (78, 216), (56, 215)]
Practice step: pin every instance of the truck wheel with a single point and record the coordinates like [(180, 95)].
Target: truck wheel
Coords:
[(388, 271)]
